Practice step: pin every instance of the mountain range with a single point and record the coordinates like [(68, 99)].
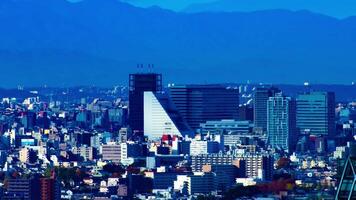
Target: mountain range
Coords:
[(97, 42), (335, 8)]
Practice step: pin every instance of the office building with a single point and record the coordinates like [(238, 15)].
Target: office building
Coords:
[(246, 112), (161, 117), (26, 189), (111, 152), (138, 84), (260, 98), (316, 113), (201, 103), (281, 128)]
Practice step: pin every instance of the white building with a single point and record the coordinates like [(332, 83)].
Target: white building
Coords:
[(160, 118), (201, 147)]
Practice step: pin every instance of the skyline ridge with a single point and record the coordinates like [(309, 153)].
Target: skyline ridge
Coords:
[(71, 40)]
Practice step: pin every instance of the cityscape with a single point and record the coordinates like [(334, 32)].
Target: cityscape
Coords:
[(177, 100), (148, 140)]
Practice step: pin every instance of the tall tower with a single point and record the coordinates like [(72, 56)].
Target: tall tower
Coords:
[(316, 113), (281, 127), (140, 83), (260, 98)]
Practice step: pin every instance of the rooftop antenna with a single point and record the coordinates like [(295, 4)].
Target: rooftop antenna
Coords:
[(150, 67)]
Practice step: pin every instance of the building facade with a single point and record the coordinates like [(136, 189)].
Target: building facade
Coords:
[(138, 84), (281, 127), (200, 103), (260, 98), (316, 113)]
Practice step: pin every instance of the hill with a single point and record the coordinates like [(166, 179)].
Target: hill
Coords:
[(97, 42)]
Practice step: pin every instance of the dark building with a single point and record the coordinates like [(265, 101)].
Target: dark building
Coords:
[(24, 189), (165, 180), (246, 113), (137, 184), (347, 189), (50, 189), (139, 83), (225, 175), (28, 120), (43, 120), (168, 160), (200, 103), (260, 98), (316, 113)]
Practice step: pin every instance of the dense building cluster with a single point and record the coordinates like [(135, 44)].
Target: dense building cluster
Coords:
[(177, 142)]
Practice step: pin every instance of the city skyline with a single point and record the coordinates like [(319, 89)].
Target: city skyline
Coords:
[(177, 99)]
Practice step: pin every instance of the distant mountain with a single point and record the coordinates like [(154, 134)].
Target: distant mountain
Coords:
[(336, 8), (96, 42)]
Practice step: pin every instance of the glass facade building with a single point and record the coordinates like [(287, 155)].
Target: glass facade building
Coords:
[(281, 128), (201, 103), (260, 98), (316, 113)]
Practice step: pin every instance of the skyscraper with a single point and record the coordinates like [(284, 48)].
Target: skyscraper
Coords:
[(281, 128), (316, 113), (200, 103), (161, 117), (260, 98), (139, 83)]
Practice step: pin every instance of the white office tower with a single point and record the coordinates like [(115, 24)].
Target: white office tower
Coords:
[(161, 118)]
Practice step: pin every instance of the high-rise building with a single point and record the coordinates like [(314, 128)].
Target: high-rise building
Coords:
[(200, 103), (260, 98), (161, 117), (316, 113), (139, 83), (246, 112), (281, 128), (346, 189)]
